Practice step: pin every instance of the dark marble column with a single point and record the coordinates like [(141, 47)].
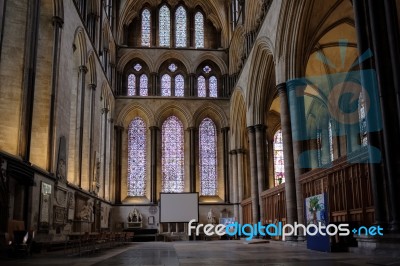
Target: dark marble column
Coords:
[(241, 174), (387, 93), (82, 73), (225, 144), (118, 153), (105, 113), (92, 88), (153, 166), (290, 183), (57, 26), (235, 185), (253, 175), (192, 159), (260, 153), (374, 138)]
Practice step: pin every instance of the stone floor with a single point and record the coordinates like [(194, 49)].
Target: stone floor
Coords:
[(206, 253)]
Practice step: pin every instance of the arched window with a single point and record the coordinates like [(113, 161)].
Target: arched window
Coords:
[(146, 27), (362, 120), (199, 30), (330, 134), (137, 80), (208, 158), (137, 158), (213, 87), (180, 27), (131, 85), (144, 83), (201, 87), (164, 26), (179, 86), (172, 155), (166, 85), (279, 163)]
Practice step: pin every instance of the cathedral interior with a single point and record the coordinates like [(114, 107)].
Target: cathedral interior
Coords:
[(256, 106)]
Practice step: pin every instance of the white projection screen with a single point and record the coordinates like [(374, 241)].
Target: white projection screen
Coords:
[(179, 207)]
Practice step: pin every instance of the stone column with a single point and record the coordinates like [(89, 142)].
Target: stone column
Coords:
[(255, 208), (387, 93), (92, 88), (260, 152), (57, 26), (153, 166), (235, 185), (374, 138), (118, 153), (299, 137), (225, 142), (105, 113), (192, 159), (290, 183), (192, 85), (82, 73), (240, 175), (153, 84)]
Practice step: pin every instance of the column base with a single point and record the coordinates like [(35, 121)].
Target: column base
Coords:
[(388, 244)]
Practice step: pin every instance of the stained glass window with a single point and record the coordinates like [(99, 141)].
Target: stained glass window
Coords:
[(207, 69), (137, 67), (199, 30), (201, 86), (172, 67), (131, 85), (179, 86), (319, 147), (363, 120), (208, 158), (213, 84), (279, 163), (180, 27), (146, 28), (330, 132), (172, 156), (144, 83), (164, 26), (137, 158), (166, 85)]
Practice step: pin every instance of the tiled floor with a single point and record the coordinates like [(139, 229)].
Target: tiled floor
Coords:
[(206, 253)]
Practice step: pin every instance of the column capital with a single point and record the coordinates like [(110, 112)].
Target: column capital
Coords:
[(296, 84), (241, 151), (119, 128), (104, 110), (233, 152), (260, 127), (251, 129), (281, 87), (83, 69), (92, 86), (57, 21), (111, 120), (225, 129), (154, 128), (192, 128)]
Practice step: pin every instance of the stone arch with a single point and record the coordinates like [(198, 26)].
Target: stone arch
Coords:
[(91, 65), (209, 56), (79, 45), (261, 89), (214, 112), (238, 119), (170, 54), (131, 111), (126, 58), (179, 110), (236, 51)]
